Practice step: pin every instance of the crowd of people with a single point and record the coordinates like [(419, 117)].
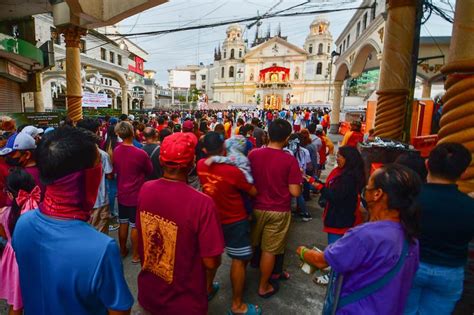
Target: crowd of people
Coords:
[(183, 187)]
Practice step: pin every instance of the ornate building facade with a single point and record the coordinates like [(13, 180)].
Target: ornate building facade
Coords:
[(272, 73)]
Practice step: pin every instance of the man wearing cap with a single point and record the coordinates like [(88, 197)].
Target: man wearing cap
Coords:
[(21, 154), (180, 236), (131, 165), (34, 132)]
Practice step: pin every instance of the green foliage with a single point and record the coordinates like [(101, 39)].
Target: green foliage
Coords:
[(364, 84)]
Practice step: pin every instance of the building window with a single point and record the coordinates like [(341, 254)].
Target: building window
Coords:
[(364, 21), (225, 53), (329, 48), (103, 54), (340, 49), (232, 54), (193, 77), (344, 45), (348, 40), (203, 77), (358, 30), (320, 49), (231, 71), (372, 13), (222, 72), (82, 46), (319, 68), (310, 48), (112, 57), (240, 52)]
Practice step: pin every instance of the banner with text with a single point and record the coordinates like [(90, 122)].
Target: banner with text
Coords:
[(95, 100)]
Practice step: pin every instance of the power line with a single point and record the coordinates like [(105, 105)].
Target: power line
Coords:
[(211, 25)]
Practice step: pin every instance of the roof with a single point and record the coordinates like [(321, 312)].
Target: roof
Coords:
[(274, 40), (435, 40)]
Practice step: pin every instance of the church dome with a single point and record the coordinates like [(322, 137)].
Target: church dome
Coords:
[(234, 27)]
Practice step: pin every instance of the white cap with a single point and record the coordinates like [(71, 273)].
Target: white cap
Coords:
[(23, 141), (319, 127), (32, 131), (131, 117)]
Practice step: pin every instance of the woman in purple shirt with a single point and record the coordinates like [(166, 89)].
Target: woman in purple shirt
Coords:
[(385, 245)]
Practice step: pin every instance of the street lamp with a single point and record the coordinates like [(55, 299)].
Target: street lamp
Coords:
[(333, 54)]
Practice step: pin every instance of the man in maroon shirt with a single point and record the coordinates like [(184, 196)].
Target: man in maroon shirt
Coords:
[(131, 165), (180, 237), (277, 178), (225, 184)]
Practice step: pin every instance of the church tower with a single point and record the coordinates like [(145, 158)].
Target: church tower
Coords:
[(318, 44), (231, 68)]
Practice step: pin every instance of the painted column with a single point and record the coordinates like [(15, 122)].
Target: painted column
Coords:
[(426, 91), (124, 99), (38, 96), (395, 69), (336, 107), (457, 121), (72, 37)]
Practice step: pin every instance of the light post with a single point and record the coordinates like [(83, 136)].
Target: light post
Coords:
[(333, 54)]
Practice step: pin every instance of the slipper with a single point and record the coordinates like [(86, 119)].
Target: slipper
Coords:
[(124, 254), (275, 286), (321, 280), (251, 310), (215, 289), (282, 276)]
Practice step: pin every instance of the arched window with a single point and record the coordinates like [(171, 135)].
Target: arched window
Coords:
[(319, 68), (231, 71), (225, 54), (329, 48), (222, 72), (310, 48), (232, 53), (240, 53), (320, 49)]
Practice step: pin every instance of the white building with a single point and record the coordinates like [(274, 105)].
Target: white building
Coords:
[(109, 65), (272, 72)]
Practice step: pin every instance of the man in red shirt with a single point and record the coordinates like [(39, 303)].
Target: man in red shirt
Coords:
[(225, 184), (132, 166), (277, 178), (180, 237)]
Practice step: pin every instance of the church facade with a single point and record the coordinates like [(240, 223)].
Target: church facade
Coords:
[(272, 73)]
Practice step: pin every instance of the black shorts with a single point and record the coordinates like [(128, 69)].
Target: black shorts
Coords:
[(237, 240), (127, 214)]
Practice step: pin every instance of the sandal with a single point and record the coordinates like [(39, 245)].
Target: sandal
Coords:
[(321, 280), (215, 289), (275, 287), (251, 310), (282, 276)]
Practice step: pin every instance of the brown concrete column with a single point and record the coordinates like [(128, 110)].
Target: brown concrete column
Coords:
[(124, 99), (336, 107), (395, 68), (457, 121), (72, 37), (426, 91), (38, 96)]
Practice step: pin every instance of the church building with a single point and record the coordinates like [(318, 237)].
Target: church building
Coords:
[(272, 72)]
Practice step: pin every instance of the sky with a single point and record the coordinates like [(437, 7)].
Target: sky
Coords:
[(192, 47)]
